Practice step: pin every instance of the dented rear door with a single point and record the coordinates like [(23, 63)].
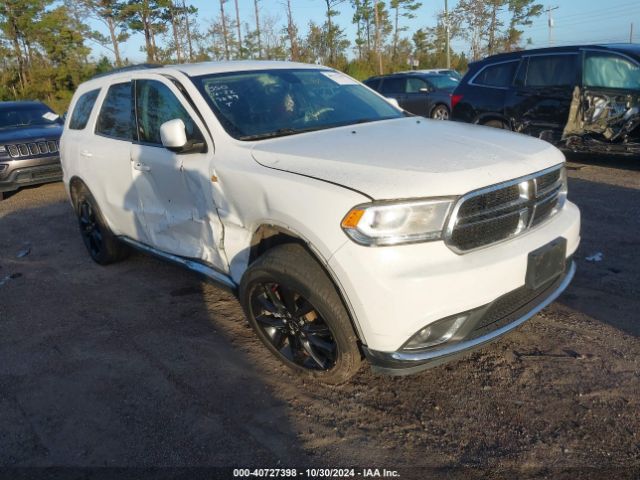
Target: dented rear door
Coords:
[(540, 101)]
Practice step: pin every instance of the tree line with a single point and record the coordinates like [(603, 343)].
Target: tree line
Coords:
[(46, 45)]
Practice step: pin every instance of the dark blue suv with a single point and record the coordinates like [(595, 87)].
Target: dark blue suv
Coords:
[(580, 98), (426, 94), (29, 135)]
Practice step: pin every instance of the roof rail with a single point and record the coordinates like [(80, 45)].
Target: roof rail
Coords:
[(128, 68)]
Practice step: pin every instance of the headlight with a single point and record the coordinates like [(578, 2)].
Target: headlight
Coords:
[(393, 223)]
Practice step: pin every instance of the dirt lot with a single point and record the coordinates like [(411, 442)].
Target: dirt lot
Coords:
[(143, 364)]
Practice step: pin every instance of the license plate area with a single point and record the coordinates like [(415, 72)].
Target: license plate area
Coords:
[(546, 263)]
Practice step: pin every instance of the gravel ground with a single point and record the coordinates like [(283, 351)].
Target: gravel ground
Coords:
[(143, 364)]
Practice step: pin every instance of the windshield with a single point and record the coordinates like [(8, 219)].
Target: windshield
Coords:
[(444, 82), (270, 103), (451, 73), (27, 116)]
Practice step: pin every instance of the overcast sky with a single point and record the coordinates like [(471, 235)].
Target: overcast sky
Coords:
[(576, 21)]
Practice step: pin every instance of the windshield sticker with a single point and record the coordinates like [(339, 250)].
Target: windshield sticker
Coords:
[(50, 116), (340, 78), (222, 94)]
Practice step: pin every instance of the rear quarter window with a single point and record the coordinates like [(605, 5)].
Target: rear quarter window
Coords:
[(82, 110), (498, 75)]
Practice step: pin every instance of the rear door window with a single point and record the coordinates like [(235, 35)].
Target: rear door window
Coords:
[(608, 70), (552, 71), (498, 75), (115, 115), (393, 85), (82, 110)]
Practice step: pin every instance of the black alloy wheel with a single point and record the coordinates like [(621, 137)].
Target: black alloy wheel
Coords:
[(293, 326), (103, 246), (90, 229), (296, 311)]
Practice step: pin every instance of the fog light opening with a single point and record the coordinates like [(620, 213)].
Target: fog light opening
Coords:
[(436, 333)]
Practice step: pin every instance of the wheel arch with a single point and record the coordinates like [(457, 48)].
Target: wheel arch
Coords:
[(75, 184), (487, 117), (268, 236)]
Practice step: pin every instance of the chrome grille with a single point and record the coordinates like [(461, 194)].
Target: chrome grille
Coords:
[(31, 149), (502, 211)]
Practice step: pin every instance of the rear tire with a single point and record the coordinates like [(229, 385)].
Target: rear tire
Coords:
[(496, 124), (440, 112), (296, 311), (103, 246)]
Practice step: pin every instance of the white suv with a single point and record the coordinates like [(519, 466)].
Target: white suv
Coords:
[(347, 227)]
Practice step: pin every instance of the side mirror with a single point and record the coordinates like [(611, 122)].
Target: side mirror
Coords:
[(173, 134), (393, 102)]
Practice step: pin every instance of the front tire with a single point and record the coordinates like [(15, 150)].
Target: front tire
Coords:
[(103, 246), (298, 314)]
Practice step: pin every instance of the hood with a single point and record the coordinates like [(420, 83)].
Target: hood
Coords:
[(409, 157), (23, 134)]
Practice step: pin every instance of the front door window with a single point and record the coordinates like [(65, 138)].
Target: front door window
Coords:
[(606, 70)]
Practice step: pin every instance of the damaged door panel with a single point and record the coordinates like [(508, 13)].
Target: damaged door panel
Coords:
[(605, 111), (603, 121), (174, 189), (540, 101)]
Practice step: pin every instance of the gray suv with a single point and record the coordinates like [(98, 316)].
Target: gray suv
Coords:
[(29, 135)]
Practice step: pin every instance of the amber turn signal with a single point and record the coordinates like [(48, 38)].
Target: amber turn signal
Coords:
[(352, 218)]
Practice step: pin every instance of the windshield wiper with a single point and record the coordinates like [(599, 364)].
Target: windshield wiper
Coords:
[(281, 132)]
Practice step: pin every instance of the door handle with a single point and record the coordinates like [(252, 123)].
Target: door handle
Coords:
[(86, 153), (142, 167)]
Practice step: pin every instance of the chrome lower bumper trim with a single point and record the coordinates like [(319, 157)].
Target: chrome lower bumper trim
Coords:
[(405, 363)]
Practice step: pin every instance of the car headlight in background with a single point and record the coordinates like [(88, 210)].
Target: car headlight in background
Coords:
[(394, 223)]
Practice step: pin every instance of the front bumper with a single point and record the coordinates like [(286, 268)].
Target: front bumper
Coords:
[(491, 321), (393, 292), (24, 172)]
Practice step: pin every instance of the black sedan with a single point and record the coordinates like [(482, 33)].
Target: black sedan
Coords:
[(425, 94)]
